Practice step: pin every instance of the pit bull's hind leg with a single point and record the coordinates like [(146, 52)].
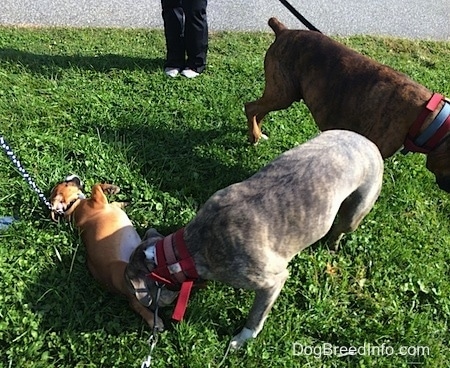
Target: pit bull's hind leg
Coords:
[(352, 211)]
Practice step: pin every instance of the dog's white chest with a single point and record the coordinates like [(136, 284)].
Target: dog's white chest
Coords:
[(128, 243)]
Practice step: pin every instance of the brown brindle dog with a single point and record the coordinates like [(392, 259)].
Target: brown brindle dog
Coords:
[(346, 90), (108, 235)]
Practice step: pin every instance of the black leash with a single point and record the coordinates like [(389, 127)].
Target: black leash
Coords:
[(23, 172), (300, 17)]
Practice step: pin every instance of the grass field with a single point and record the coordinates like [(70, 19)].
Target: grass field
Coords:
[(96, 103)]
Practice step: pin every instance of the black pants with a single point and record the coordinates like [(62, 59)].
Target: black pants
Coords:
[(186, 32)]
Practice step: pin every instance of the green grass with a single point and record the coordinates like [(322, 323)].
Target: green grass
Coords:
[(96, 103)]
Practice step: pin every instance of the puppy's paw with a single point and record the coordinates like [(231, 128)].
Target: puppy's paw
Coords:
[(154, 323), (110, 188), (120, 205)]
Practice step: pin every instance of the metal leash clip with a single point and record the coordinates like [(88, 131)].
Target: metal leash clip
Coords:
[(153, 339)]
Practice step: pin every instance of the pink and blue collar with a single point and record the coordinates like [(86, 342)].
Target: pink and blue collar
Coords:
[(432, 136)]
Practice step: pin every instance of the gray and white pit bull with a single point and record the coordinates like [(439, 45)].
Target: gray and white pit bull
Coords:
[(246, 234)]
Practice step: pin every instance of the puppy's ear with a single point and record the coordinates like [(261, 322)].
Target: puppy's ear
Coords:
[(76, 180)]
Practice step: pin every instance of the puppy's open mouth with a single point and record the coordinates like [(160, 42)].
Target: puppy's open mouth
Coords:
[(59, 212), (69, 206)]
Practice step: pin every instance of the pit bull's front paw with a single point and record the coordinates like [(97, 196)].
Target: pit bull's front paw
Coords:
[(239, 340)]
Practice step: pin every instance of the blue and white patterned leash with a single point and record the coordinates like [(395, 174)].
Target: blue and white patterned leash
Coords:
[(23, 172)]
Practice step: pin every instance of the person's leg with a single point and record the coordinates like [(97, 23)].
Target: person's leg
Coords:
[(196, 34), (173, 17)]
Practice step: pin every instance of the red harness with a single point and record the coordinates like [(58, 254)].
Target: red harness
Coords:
[(410, 144), (178, 273)]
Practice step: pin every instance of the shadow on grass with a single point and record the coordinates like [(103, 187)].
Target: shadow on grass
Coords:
[(182, 161), (68, 298), (43, 64), (165, 155), (71, 300)]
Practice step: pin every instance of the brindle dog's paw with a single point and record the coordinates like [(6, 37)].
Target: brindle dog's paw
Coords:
[(263, 137), (240, 339)]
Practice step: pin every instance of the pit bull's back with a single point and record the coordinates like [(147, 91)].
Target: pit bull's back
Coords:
[(289, 204)]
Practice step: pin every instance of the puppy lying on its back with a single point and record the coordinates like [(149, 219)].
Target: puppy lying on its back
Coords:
[(107, 233)]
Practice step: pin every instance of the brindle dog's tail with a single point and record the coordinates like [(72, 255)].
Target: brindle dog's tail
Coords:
[(276, 25)]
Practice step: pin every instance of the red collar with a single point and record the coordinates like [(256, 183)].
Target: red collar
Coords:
[(411, 141), (175, 268)]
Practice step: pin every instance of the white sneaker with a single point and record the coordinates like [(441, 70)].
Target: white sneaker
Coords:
[(189, 73), (172, 72)]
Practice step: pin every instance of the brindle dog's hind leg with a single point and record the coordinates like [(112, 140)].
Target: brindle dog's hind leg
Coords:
[(279, 93)]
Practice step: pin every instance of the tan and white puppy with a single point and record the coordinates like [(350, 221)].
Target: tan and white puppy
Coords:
[(107, 233)]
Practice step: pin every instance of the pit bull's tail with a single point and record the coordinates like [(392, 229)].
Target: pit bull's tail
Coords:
[(276, 25)]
